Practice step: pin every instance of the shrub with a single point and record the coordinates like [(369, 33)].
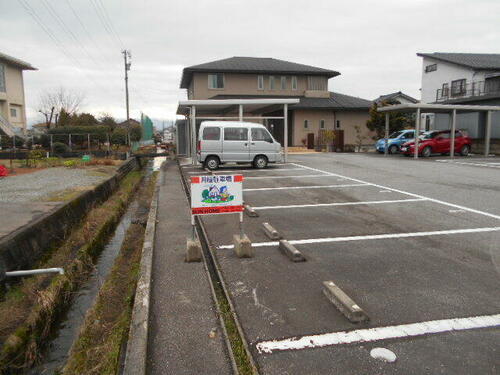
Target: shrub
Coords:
[(34, 157), (53, 162), (60, 148), (70, 164)]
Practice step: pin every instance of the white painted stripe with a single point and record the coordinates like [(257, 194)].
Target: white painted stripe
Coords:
[(338, 204), (300, 176), (222, 171), (470, 163), (372, 237), (407, 193), (307, 187), (380, 333)]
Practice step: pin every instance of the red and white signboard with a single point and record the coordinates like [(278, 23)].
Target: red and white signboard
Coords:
[(217, 194)]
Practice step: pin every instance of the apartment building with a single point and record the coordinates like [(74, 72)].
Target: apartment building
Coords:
[(12, 100)]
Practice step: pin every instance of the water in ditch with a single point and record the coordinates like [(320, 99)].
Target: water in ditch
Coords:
[(67, 331)]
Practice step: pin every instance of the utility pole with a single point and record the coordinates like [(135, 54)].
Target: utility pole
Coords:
[(127, 63)]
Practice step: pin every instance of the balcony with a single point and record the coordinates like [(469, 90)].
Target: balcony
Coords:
[(462, 90)]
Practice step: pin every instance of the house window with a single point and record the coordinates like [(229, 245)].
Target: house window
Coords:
[(458, 87), (306, 124), (317, 83), (260, 82), (283, 82), (431, 68), (2, 78), (321, 124), (216, 81), (337, 124), (294, 83), (13, 112), (272, 84)]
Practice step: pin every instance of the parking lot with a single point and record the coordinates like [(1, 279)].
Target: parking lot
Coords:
[(415, 244)]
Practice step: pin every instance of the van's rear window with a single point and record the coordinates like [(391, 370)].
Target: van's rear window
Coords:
[(236, 134), (211, 133)]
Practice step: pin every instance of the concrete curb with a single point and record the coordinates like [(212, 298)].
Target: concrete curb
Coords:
[(137, 345), (344, 303)]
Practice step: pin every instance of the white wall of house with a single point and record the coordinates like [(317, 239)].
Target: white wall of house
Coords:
[(445, 73)]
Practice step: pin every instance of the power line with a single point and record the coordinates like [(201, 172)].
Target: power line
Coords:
[(104, 23), (56, 41), (112, 27), (65, 28), (82, 24)]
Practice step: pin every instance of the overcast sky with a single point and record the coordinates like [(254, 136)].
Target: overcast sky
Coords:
[(372, 43)]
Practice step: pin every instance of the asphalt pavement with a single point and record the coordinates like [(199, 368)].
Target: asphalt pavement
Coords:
[(411, 242)]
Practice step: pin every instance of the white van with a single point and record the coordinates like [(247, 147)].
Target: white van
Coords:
[(222, 142)]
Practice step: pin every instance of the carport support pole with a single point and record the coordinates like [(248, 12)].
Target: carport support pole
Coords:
[(453, 128), (285, 120), (488, 134), (240, 112), (193, 135), (417, 133), (386, 143)]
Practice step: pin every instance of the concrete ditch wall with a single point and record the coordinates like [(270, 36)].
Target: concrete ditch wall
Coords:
[(22, 248)]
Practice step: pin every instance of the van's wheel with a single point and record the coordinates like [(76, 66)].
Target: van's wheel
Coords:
[(427, 151), (212, 163), (393, 149), (260, 162), (464, 151)]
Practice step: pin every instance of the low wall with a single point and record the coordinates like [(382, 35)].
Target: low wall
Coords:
[(23, 247)]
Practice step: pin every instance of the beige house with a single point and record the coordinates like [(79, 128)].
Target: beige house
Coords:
[(251, 77), (12, 102)]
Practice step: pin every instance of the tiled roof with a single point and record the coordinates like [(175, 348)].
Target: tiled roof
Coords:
[(393, 95), (335, 101), (253, 65), (12, 60), (471, 60)]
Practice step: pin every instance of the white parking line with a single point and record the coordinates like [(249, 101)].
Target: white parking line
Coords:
[(405, 192), (222, 171), (300, 176), (307, 187), (338, 204), (380, 333), (371, 237), (487, 165)]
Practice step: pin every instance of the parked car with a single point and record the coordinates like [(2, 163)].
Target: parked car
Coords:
[(395, 141), (222, 142), (439, 142)]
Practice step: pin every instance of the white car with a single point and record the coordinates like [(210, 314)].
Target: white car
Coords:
[(222, 142)]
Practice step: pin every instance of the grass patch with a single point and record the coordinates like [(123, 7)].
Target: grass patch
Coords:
[(30, 308), (97, 349)]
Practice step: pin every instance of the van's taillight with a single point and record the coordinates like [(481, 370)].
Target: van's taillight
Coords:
[(198, 146)]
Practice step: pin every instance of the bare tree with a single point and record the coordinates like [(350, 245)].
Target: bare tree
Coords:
[(51, 103)]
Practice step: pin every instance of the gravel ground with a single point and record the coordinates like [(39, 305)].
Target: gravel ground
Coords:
[(39, 185)]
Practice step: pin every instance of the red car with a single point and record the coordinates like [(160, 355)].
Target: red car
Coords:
[(438, 142)]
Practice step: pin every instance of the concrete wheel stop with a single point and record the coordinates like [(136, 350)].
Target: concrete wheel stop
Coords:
[(270, 232), (291, 251), (242, 246), (250, 211), (344, 303)]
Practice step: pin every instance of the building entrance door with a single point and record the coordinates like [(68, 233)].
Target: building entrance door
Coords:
[(310, 141)]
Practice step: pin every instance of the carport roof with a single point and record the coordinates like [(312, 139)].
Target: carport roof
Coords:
[(436, 108), (239, 64), (226, 105)]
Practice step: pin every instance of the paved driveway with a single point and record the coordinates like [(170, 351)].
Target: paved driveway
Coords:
[(414, 243)]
